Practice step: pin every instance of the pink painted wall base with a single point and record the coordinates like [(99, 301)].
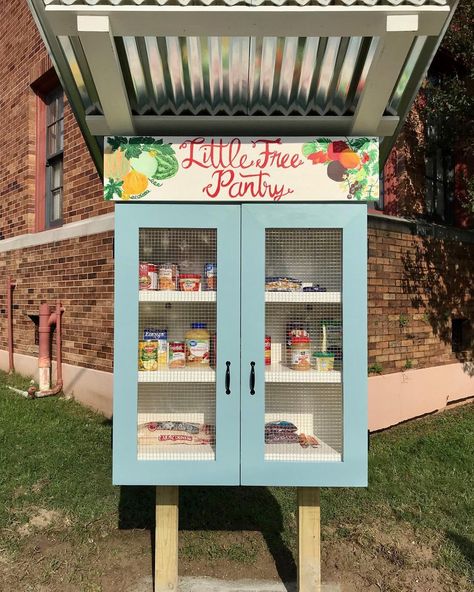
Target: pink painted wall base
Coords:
[(396, 397)]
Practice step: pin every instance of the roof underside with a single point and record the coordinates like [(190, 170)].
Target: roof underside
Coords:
[(137, 70), (248, 2)]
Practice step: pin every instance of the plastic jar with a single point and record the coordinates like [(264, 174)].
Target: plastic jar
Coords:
[(197, 345), (300, 352)]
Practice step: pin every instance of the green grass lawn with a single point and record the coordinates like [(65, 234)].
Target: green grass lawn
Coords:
[(56, 455)]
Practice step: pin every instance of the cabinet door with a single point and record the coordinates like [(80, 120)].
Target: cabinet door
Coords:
[(176, 424), (304, 415)]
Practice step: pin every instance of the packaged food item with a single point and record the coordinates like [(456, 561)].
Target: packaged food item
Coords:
[(173, 432), (210, 275), (147, 355), (306, 441), (268, 350), (294, 330), (280, 432), (190, 282), (333, 337), (316, 288), (300, 353), (324, 361), (197, 345), (176, 355), (147, 276), (282, 284), (168, 277), (161, 337)]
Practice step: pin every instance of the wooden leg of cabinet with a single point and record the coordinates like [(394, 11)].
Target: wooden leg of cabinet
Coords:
[(166, 539), (309, 540)]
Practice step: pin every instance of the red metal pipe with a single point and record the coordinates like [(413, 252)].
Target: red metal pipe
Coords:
[(46, 320), (10, 285)]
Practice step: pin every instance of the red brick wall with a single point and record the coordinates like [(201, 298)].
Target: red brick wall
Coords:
[(79, 271), (23, 59), (416, 285)]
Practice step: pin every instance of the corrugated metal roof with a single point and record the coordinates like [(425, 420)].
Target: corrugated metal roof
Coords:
[(239, 75), (249, 2), (159, 80)]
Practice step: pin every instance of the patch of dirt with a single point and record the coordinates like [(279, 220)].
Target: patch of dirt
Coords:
[(41, 519), (366, 558)]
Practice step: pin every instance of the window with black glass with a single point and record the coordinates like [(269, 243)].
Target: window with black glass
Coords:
[(439, 172), (54, 158)]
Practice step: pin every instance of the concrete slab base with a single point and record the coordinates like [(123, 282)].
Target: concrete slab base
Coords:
[(190, 584)]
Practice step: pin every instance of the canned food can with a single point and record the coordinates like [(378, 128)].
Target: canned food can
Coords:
[(210, 275), (177, 357), (147, 355), (268, 350), (161, 337), (147, 276), (168, 277)]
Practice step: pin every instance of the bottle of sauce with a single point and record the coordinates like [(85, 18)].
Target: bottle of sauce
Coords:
[(197, 345)]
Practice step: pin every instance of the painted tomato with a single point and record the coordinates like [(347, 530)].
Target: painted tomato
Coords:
[(318, 157)]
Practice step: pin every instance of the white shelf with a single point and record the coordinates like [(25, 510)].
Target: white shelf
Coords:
[(171, 296), (280, 373), (171, 452), (178, 375), (296, 453), (334, 297)]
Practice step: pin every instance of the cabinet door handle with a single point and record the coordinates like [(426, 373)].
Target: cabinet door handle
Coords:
[(227, 379), (252, 378)]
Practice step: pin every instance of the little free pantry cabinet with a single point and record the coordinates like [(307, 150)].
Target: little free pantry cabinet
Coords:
[(235, 396)]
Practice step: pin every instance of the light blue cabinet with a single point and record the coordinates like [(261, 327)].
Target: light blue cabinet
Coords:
[(272, 387)]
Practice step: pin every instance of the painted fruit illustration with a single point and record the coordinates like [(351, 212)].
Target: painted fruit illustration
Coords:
[(167, 166), (318, 157), (336, 148), (134, 183), (115, 164), (145, 164), (349, 159), (336, 171)]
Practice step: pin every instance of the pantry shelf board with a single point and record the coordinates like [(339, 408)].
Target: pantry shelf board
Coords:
[(170, 452), (296, 453), (178, 375), (164, 296), (332, 297), (280, 373)]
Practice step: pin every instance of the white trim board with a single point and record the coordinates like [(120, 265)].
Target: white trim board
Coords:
[(95, 225)]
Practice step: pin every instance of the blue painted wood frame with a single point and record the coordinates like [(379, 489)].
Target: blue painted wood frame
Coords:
[(127, 469), (352, 219)]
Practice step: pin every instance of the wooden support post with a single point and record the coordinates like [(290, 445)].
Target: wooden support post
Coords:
[(309, 539), (166, 539)]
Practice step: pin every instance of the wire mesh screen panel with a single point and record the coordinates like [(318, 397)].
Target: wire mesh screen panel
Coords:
[(303, 344), (177, 284)]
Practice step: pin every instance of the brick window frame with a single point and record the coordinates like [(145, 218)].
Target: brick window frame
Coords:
[(46, 88)]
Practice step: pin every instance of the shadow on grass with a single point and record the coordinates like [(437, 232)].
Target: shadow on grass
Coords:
[(215, 509), (465, 546)]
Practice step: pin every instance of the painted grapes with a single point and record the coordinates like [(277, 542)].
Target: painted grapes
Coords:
[(351, 162)]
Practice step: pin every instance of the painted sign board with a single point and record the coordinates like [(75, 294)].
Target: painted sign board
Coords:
[(245, 169)]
